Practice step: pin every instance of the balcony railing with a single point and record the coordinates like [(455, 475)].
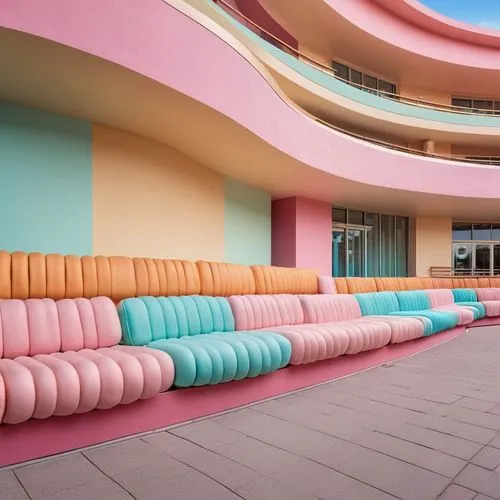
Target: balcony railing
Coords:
[(277, 42), (270, 38)]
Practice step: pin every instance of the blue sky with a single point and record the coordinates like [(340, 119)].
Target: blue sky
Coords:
[(485, 13)]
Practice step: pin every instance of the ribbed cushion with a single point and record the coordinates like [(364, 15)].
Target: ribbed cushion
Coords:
[(146, 319), (440, 297), (402, 329), (439, 320), (55, 276), (466, 315), (253, 312), (341, 285), (441, 283), (316, 342), (78, 382), (223, 357), (223, 280), (326, 285), (329, 308), (390, 284), (361, 285), (44, 326), (279, 280), (478, 307), (492, 308), (413, 301), (380, 303), (464, 295), (487, 294)]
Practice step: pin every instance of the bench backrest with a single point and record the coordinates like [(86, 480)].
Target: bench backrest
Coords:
[(413, 301), (145, 319), (379, 303), (464, 295), (488, 294), (44, 326), (329, 308), (252, 312), (440, 297)]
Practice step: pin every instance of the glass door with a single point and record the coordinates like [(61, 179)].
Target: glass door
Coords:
[(482, 259), (462, 259), (496, 260), (338, 252), (355, 255)]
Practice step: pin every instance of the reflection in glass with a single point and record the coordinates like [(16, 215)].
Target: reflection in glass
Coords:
[(388, 247), (462, 232), (482, 259), (401, 246), (355, 255), (481, 232), (496, 260), (338, 252), (372, 222), (462, 258)]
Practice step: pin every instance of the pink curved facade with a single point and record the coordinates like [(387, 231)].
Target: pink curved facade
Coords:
[(203, 63)]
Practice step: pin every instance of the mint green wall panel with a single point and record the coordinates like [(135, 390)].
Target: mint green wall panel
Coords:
[(45, 181), (247, 224)]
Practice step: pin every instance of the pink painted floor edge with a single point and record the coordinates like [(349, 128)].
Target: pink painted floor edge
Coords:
[(41, 438)]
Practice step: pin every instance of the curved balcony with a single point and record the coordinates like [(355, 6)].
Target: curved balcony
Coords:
[(400, 39), (166, 71)]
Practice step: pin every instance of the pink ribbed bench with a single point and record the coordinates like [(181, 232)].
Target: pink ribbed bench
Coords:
[(321, 326), (60, 357), (442, 298)]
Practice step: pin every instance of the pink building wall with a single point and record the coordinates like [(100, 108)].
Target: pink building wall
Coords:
[(254, 11), (302, 234)]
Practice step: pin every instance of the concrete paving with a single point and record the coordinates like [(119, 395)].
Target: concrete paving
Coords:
[(424, 427)]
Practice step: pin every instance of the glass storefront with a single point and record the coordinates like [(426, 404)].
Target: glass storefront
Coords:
[(476, 249), (368, 244)]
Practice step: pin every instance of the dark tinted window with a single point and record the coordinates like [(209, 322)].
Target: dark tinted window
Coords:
[(339, 215), (370, 82), (357, 77), (355, 217), (386, 87), (342, 71)]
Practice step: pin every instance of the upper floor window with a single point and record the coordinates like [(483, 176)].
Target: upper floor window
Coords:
[(479, 105), (365, 81)]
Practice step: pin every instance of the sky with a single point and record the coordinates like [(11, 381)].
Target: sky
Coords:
[(485, 13)]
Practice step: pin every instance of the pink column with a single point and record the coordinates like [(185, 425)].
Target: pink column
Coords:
[(302, 234)]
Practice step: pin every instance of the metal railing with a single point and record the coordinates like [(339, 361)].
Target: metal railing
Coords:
[(269, 37), (396, 147)]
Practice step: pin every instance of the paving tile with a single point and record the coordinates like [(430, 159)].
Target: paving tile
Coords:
[(244, 420), (126, 456), (488, 457), (10, 487), (259, 456), (223, 470), (326, 483), (294, 438), (101, 489), (393, 476), (208, 433), (266, 488), (478, 418), (422, 456), (190, 486), (480, 480), (455, 492), (50, 476), (475, 404), (483, 497)]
